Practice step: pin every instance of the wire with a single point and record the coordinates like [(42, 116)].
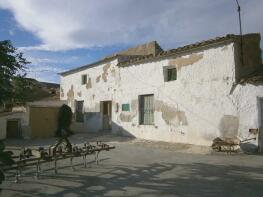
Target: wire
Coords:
[(240, 31)]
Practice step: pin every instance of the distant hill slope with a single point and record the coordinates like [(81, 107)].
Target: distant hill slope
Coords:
[(35, 91), (42, 90)]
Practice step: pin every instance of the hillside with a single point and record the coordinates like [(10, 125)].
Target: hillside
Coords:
[(41, 90)]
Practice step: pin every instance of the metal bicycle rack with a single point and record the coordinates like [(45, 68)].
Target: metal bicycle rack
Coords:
[(31, 157)]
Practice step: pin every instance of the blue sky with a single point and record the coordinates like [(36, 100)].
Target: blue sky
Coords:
[(58, 35)]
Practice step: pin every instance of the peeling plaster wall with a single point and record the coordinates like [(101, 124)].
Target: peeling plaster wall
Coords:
[(197, 107), (247, 101), (189, 109), (99, 87)]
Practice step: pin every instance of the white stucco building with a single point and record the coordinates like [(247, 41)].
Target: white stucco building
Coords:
[(190, 94)]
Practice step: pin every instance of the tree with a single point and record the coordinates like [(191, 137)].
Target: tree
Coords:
[(12, 68), (12, 72), (64, 120), (5, 159), (22, 89)]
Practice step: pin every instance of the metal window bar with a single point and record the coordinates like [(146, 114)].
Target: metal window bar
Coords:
[(147, 110), (171, 74)]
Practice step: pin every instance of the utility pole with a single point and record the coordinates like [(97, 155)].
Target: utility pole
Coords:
[(240, 31)]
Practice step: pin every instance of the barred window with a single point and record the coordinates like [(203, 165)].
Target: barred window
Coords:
[(79, 111), (146, 109), (83, 79), (171, 74)]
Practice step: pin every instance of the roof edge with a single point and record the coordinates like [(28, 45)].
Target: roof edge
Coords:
[(88, 65), (137, 59), (187, 48), (180, 50)]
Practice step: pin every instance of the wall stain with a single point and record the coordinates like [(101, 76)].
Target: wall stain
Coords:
[(105, 72), (185, 61), (229, 126), (70, 93), (113, 72), (128, 116), (224, 48), (98, 79), (79, 94), (93, 96), (171, 114), (61, 92), (89, 85)]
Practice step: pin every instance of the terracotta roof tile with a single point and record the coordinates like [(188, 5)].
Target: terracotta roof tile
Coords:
[(228, 37), (255, 78), (146, 51)]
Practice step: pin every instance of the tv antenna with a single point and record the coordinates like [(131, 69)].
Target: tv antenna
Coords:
[(240, 31)]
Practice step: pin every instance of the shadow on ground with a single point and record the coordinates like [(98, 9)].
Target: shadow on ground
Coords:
[(157, 179), (74, 139)]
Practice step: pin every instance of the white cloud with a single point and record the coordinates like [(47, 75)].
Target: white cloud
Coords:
[(44, 72), (38, 60), (67, 24), (47, 68)]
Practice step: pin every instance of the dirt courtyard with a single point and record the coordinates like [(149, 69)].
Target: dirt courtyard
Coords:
[(141, 168)]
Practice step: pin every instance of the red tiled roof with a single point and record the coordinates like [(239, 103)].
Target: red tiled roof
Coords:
[(186, 48)]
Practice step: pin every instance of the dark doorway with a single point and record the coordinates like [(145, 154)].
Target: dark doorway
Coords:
[(13, 129), (79, 111), (106, 110)]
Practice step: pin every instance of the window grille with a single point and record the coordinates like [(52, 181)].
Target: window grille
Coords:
[(146, 109)]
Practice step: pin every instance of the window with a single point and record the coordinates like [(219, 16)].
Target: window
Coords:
[(79, 111), (83, 79), (170, 73), (146, 109)]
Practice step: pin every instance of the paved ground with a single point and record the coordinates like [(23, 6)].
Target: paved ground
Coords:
[(139, 168)]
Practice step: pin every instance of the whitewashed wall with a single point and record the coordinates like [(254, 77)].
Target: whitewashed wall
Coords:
[(189, 109), (101, 86), (248, 109), (195, 108)]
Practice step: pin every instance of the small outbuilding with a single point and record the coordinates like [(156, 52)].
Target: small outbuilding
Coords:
[(43, 118), (37, 120), (11, 124)]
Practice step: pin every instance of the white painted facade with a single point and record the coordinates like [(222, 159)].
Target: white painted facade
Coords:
[(203, 103)]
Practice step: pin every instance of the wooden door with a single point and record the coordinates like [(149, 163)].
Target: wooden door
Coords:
[(13, 129), (43, 121), (106, 115)]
